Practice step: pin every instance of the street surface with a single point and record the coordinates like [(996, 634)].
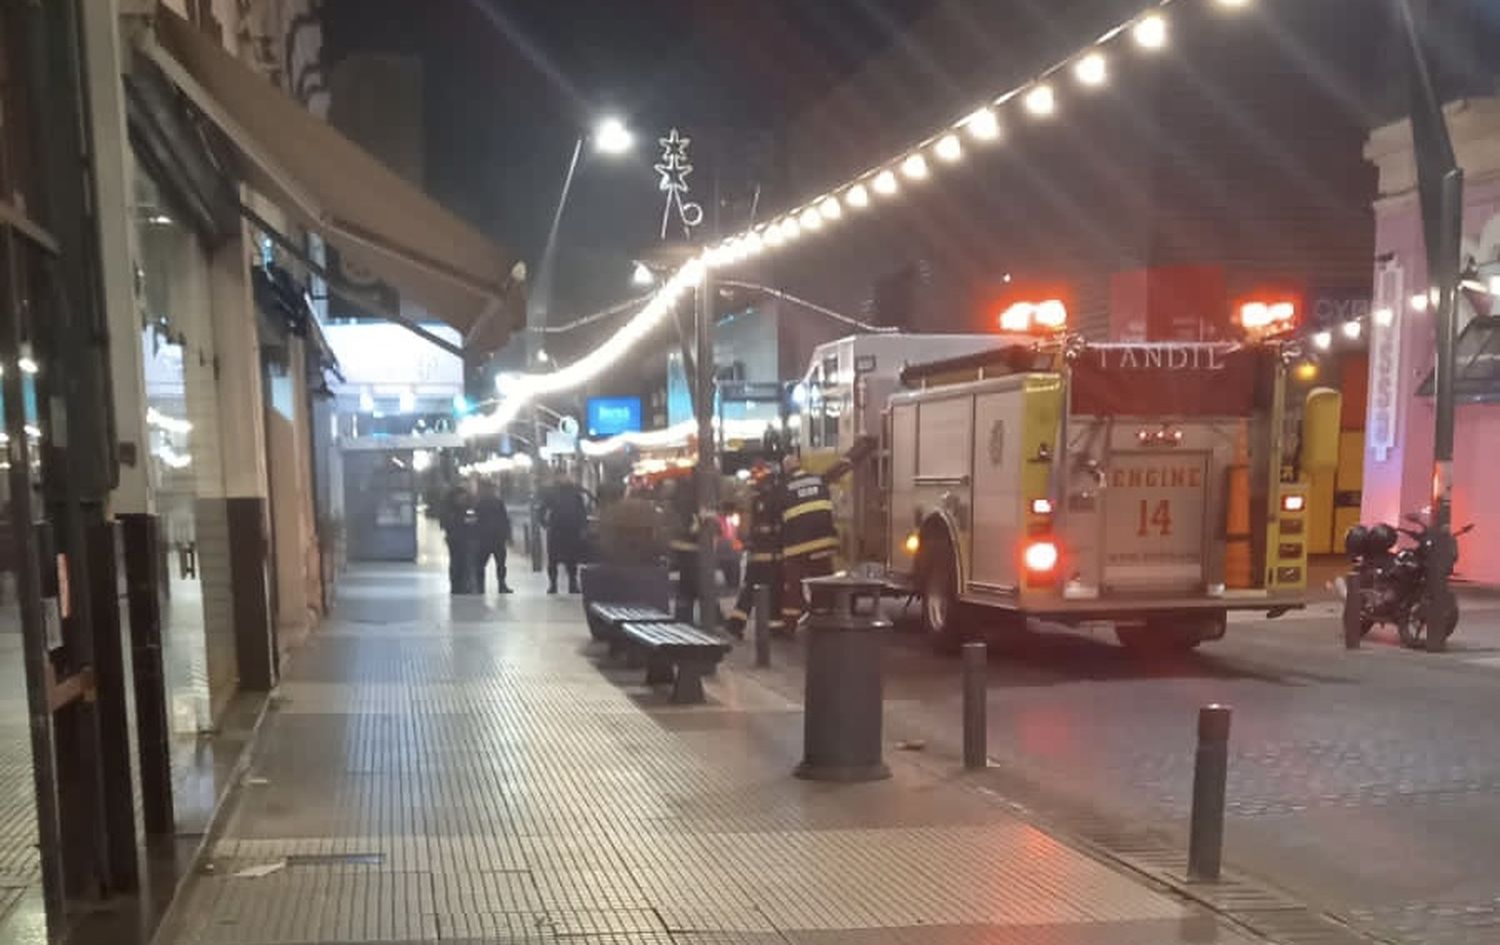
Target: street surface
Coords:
[(1366, 783)]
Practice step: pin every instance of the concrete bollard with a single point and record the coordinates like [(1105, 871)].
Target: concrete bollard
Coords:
[(976, 706), (1210, 773), (762, 617)]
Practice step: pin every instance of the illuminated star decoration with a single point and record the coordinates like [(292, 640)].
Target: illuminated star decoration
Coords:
[(674, 170)]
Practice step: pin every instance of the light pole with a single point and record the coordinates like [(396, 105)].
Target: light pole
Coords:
[(610, 138), (1440, 185)]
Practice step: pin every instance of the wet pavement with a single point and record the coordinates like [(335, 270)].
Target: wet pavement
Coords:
[(475, 770), (1366, 784)]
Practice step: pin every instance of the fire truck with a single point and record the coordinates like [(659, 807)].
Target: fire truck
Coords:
[(1155, 487), (842, 397)]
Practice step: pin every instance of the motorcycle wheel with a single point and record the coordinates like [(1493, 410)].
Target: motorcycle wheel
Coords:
[(1417, 635)]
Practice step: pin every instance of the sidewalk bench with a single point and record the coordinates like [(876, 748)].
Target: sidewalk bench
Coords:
[(605, 621), (625, 585), (676, 653)]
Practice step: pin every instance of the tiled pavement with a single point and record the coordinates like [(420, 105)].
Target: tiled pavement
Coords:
[(470, 770)]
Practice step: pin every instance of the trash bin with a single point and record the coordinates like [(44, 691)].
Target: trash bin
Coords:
[(842, 724)]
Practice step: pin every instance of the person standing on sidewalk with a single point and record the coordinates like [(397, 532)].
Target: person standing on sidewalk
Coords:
[(492, 534), (809, 535), (565, 517), (764, 549), (454, 517), (682, 542)]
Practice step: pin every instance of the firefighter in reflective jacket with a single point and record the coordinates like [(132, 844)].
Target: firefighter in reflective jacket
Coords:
[(764, 551), (809, 538)]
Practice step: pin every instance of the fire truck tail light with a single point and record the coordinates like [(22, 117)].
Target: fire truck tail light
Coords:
[(1040, 557), (1293, 503), (1041, 506)]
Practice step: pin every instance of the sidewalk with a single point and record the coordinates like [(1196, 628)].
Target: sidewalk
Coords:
[(468, 770)]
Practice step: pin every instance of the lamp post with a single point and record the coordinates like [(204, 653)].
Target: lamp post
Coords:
[(610, 138), (1440, 184)]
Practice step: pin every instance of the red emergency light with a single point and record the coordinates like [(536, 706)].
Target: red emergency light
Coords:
[(1039, 318)]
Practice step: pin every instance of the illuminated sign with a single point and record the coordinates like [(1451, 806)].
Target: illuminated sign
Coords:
[(610, 416)]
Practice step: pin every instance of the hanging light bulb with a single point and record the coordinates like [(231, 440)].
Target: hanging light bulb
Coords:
[(1352, 330), (1384, 317), (1322, 340), (830, 208), (885, 184), (1150, 31), (1041, 101), (811, 219), (857, 197), (790, 229), (948, 148), (915, 167), (1092, 69), (983, 125)]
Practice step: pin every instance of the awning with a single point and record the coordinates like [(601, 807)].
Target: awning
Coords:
[(371, 215)]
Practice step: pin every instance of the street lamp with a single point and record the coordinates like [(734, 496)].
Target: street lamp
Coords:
[(610, 138)]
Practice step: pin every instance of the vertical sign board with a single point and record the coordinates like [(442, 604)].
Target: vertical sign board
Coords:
[(1385, 360)]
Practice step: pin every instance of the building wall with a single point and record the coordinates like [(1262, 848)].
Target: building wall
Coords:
[(1399, 457)]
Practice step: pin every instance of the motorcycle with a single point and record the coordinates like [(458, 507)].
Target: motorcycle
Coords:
[(1390, 586)]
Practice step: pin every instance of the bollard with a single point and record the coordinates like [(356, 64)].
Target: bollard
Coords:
[(762, 631), (976, 708), (842, 723), (1210, 771)]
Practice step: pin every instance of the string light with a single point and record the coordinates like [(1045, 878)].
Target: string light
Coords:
[(948, 148), (1322, 340), (1149, 31), (1092, 69), (1384, 317), (982, 125), (1352, 330), (1041, 101)]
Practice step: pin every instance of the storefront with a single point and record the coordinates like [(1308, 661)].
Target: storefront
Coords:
[(1399, 426)]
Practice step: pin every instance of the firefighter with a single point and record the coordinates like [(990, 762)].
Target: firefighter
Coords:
[(809, 538), (764, 551), (682, 509)]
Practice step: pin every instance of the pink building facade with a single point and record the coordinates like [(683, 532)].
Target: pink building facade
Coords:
[(1399, 429)]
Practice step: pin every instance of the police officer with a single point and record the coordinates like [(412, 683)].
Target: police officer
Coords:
[(809, 537), (764, 551)]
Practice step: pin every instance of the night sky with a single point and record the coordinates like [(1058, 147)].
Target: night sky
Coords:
[(509, 84)]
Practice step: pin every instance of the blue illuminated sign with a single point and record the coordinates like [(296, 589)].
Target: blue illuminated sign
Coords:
[(609, 416)]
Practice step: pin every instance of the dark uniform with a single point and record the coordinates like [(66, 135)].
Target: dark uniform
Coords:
[(683, 545), (458, 520), (809, 538), (764, 554)]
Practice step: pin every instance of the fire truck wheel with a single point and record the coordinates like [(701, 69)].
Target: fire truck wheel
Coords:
[(1159, 637), (942, 612)]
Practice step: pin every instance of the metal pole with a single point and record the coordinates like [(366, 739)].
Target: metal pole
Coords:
[(762, 630), (29, 593), (535, 525), (976, 708), (707, 467), (540, 301), (1210, 772), (1440, 184)]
